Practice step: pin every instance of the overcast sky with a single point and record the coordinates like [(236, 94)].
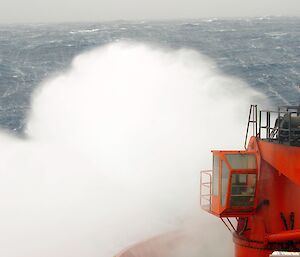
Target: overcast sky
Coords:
[(102, 10)]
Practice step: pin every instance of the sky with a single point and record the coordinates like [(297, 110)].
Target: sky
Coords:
[(19, 11)]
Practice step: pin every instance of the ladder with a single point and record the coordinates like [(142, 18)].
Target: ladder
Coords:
[(252, 120)]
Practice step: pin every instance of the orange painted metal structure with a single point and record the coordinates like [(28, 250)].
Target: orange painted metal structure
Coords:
[(256, 192), (222, 200), (272, 222), (274, 226)]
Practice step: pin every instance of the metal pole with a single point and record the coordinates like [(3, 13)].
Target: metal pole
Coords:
[(260, 124), (278, 135), (256, 120), (249, 118), (290, 114), (268, 125)]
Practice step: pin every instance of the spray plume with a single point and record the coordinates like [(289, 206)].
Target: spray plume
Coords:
[(113, 152)]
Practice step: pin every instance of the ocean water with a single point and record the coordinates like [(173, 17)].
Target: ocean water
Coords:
[(264, 52), (115, 139)]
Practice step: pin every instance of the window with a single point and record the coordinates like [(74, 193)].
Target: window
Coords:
[(241, 161), (242, 190), (225, 175), (215, 175)]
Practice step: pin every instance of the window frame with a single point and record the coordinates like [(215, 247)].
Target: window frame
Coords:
[(240, 172)]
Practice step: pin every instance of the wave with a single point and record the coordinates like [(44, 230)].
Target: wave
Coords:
[(112, 152)]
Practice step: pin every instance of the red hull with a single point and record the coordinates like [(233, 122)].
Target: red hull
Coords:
[(242, 251), (175, 244)]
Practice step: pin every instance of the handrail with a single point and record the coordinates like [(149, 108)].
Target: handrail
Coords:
[(205, 188), (285, 235), (282, 131), (253, 112)]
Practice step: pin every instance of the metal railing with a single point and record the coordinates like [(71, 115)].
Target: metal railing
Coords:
[(205, 189), (252, 119), (281, 126)]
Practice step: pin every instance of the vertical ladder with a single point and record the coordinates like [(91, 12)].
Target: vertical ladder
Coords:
[(252, 119)]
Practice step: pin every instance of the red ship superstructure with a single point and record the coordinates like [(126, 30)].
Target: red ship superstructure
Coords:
[(256, 192)]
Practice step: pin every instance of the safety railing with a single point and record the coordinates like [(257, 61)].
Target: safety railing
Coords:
[(252, 119), (205, 189), (281, 126)]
